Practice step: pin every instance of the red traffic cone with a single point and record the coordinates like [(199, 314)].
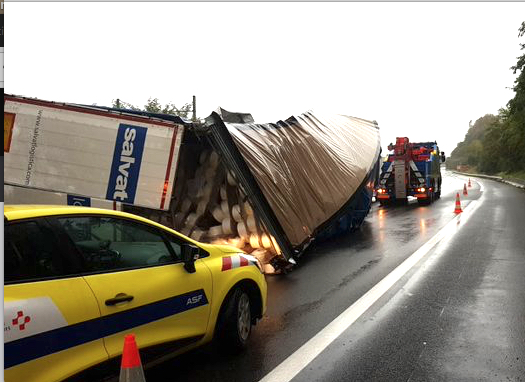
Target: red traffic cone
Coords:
[(470, 185), (131, 367), (458, 209), (465, 192)]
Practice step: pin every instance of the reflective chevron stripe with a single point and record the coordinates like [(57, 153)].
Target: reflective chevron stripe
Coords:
[(417, 173)]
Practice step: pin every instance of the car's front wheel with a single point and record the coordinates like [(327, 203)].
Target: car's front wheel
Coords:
[(235, 322)]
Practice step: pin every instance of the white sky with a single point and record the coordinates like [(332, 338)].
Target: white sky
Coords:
[(422, 70)]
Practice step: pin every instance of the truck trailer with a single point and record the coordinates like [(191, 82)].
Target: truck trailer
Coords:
[(269, 189), (88, 156), (412, 169)]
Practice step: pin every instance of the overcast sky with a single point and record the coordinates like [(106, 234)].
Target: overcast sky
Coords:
[(422, 70)]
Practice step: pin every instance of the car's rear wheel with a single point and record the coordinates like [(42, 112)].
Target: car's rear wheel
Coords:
[(235, 323)]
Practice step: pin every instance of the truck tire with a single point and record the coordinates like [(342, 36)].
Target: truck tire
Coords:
[(235, 321), (431, 196), (438, 192)]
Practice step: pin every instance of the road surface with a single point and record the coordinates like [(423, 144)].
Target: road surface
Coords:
[(454, 312)]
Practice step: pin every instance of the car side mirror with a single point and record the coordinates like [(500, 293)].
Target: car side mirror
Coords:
[(189, 254), (442, 157)]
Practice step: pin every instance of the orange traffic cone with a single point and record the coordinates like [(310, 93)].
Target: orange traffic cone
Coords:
[(465, 192), (131, 367), (458, 209), (470, 185)]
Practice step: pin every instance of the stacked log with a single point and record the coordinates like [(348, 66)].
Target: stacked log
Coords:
[(216, 210)]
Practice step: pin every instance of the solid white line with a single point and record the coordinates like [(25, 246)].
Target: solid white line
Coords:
[(297, 361)]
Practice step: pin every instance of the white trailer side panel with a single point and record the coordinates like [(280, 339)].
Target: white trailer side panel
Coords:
[(91, 153)]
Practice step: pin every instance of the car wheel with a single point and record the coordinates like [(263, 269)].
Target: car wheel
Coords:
[(235, 323)]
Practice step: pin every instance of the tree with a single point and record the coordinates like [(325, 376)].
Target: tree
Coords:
[(154, 106), (471, 150), (117, 103), (508, 135), (516, 106), (497, 144)]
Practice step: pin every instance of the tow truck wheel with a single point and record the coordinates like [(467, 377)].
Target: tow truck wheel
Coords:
[(438, 192), (235, 322), (432, 194)]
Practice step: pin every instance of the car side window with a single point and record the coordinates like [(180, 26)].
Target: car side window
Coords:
[(30, 252), (109, 244)]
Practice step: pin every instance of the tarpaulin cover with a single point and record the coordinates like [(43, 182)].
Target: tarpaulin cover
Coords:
[(308, 166)]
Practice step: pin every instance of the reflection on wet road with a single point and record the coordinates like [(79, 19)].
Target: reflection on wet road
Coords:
[(334, 274)]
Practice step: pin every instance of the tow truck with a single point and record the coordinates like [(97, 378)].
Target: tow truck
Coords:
[(412, 169)]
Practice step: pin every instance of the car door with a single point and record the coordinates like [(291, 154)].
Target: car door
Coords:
[(49, 316), (139, 281)]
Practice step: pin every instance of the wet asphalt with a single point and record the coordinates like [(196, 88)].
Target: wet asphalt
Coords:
[(458, 315)]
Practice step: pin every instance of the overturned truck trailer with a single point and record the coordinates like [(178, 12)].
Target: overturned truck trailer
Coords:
[(308, 177), (271, 189)]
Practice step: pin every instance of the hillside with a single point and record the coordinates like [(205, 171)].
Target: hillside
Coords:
[(496, 144)]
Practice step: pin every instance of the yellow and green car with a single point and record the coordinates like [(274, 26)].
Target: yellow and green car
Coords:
[(78, 279)]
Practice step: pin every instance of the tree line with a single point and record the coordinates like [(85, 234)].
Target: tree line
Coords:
[(496, 143), (154, 106)]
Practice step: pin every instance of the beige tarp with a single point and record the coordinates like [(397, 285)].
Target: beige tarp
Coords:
[(308, 166)]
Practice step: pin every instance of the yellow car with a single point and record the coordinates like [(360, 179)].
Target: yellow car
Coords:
[(78, 279)]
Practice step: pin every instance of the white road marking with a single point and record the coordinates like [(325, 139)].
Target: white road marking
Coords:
[(298, 360)]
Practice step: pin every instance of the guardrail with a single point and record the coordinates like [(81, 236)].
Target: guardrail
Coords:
[(514, 182)]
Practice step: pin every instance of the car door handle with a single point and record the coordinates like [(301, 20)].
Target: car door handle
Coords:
[(121, 297)]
